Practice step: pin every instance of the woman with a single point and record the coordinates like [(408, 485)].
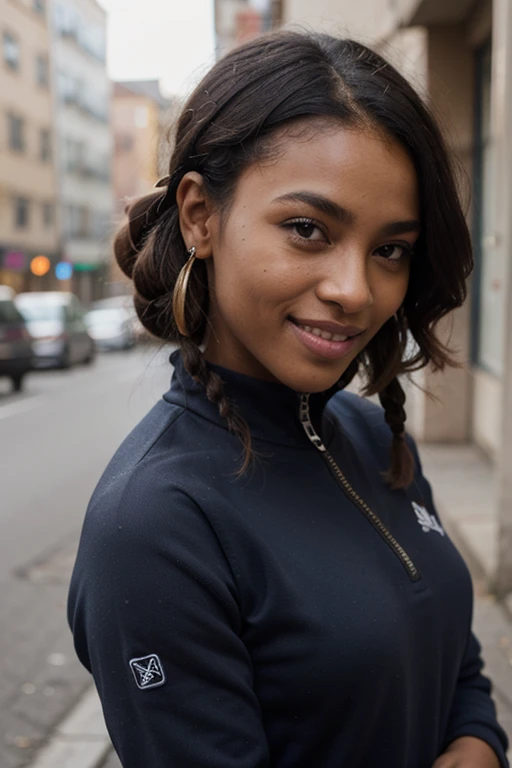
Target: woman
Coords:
[(262, 578)]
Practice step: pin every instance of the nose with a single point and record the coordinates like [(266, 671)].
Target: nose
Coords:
[(346, 281)]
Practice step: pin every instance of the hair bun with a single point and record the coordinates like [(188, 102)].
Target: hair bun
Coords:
[(142, 214)]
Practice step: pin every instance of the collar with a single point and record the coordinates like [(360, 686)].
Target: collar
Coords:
[(270, 409)]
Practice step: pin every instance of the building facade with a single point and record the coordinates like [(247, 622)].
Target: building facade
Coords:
[(84, 152), (28, 180), (237, 21), (142, 122), (141, 117)]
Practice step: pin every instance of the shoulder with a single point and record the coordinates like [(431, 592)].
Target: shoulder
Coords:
[(144, 488), (363, 422), (359, 417)]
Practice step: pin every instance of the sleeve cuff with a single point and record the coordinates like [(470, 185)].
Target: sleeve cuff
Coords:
[(485, 734)]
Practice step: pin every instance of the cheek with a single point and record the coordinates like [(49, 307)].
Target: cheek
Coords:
[(256, 278), (388, 295)]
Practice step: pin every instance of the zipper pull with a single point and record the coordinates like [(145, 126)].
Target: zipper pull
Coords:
[(305, 420)]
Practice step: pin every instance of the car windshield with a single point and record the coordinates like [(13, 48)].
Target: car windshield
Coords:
[(43, 312), (105, 316), (9, 313)]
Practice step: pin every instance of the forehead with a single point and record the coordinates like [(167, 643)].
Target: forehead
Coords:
[(361, 169)]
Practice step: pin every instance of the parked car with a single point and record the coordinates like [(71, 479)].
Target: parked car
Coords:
[(124, 302), (15, 340), (111, 328), (55, 320)]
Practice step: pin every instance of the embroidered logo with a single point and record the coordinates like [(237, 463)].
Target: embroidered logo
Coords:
[(148, 671), (428, 522)]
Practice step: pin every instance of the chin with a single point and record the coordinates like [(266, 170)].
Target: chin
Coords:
[(312, 381)]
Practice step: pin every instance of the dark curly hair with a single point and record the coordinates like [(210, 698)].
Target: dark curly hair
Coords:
[(227, 124)]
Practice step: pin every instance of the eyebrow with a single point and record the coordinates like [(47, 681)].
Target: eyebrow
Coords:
[(335, 211)]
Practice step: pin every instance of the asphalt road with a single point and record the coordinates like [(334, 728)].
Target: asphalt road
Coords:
[(55, 440)]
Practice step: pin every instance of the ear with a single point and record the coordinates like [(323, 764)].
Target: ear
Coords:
[(195, 213)]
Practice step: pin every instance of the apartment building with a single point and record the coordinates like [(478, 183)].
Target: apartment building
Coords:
[(28, 183), (142, 122), (141, 117), (82, 114), (237, 21)]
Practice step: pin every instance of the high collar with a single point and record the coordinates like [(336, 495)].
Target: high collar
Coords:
[(270, 409)]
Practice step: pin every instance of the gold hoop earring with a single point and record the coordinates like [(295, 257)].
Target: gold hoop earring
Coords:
[(179, 295)]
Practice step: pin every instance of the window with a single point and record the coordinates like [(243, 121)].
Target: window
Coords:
[(45, 145), (74, 155), (488, 308), (83, 218), (124, 142), (15, 131), (66, 20), (140, 117), (9, 313), (48, 214), (11, 52), (21, 212), (39, 6), (77, 221), (42, 71), (100, 224)]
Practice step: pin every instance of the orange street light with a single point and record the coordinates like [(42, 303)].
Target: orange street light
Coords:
[(40, 265)]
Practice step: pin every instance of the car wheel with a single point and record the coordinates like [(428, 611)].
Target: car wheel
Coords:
[(17, 382), (91, 356), (65, 360)]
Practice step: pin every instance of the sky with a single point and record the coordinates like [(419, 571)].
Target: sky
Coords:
[(168, 40)]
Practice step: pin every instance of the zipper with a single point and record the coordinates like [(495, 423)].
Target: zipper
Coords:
[(370, 515)]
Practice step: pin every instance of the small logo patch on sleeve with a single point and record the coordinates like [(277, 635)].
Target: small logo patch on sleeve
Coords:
[(147, 671)]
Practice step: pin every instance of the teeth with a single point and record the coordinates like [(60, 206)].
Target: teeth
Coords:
[(324, 334)]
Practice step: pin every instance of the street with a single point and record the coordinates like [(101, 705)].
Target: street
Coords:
[(56, 438)]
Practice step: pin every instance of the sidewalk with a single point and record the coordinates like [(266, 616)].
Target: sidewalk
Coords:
[(463, 489), (464, 493)]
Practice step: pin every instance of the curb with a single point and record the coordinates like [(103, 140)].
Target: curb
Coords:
[(80, 741)]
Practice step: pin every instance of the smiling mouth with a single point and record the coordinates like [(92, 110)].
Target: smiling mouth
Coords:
[(323, 333)]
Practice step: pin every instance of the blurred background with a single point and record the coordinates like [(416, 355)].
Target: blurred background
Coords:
[(89, 91)]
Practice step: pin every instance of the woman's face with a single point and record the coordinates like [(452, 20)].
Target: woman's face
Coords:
[(313, 256)]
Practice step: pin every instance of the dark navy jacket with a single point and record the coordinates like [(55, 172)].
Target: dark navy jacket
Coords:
[(264, 621)]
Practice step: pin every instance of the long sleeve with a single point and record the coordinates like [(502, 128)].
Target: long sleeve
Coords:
[(472, 712), (154, 612)]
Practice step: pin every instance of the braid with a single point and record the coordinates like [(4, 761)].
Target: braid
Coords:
[(401, 472), (143, 252), (195, 364)]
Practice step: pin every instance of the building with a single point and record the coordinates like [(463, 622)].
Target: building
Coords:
[(82, 118), (28, 182), (142, 122), (141, 118), (237, 21)]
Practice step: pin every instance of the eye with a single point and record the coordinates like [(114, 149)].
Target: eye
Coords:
[(305, 229), (394, 251)]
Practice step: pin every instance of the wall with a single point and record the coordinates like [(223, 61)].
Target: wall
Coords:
[(24, 173)]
